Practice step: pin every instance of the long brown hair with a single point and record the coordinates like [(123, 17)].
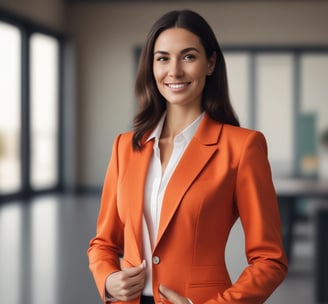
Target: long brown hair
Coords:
[(215, 101)]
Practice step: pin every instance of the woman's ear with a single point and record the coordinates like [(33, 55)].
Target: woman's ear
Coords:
[(211, 64)]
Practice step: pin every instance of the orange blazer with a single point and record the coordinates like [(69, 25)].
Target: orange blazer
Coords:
[(224, 174)]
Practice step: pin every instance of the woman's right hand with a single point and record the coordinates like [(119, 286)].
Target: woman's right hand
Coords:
[(127, 284)]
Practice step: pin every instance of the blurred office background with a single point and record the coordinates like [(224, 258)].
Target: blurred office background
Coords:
[(67, 70)]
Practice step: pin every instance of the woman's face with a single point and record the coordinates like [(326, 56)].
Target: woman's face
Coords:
[(180, 67)]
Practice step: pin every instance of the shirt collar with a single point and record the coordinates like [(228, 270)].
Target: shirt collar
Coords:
[(156, 133), (187, 133)]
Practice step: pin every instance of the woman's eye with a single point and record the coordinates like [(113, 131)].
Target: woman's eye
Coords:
[(189, 57), (162, 59)]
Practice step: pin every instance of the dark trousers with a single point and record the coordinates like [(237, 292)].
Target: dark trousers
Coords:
[(147, 300)]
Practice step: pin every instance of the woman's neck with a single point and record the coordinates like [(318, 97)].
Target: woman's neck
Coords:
[(177, 120)]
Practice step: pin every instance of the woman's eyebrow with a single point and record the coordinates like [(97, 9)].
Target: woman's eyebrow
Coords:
[(186, 50), (161, 52)]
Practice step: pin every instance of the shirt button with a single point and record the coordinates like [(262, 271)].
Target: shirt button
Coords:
[(156, 260)]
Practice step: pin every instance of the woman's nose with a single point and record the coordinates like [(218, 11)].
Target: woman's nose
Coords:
[(176, 69)]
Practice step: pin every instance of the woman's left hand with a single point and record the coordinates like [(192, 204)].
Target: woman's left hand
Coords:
[(172, 296)]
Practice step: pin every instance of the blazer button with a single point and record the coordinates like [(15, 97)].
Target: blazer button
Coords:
[(156, 260)]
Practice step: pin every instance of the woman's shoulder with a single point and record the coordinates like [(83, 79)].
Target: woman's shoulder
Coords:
[(240, 135), (239, 130), (124, 138)]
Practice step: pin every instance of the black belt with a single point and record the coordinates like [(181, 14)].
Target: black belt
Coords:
[(147, 300)]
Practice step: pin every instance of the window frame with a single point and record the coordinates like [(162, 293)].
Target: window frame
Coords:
[(27, 28)]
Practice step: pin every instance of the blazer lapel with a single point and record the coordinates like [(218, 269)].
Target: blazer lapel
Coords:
[(136, 177), (197, 154)]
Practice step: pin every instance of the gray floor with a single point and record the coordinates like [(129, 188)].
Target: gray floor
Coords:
[(43, 259)]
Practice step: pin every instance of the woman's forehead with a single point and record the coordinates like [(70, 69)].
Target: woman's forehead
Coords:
[(176, 38)]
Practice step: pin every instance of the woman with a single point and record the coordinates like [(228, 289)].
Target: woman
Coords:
[(176, 185)]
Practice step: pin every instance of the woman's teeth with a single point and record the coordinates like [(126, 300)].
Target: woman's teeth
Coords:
[(177, 85)]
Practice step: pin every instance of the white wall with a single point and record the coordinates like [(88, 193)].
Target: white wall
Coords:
[(106, 34)]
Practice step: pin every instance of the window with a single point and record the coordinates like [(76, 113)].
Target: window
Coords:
[(239, 85), (314, 114), (274, 108), (44, 111), (30, 86), (10, 105), (282, 92)]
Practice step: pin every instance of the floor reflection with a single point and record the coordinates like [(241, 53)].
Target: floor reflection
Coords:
[(10, 249), (43, 246), (44, 243)]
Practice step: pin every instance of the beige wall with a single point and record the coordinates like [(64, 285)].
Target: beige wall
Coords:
[(106, 34), (46, 12)]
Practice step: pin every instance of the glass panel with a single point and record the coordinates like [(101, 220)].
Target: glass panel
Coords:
[(274, 96), (314, 89), (10, 126), (238, 78), (44, 111), (314, 92)]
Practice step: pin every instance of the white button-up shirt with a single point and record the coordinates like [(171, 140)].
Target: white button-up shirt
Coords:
[(155, 187)]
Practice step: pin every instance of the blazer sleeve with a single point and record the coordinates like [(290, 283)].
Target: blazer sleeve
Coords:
[(107, 246), (258, 209)]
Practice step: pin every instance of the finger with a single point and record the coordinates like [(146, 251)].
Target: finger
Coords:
[(132, 284), (135, 282), (126, 284), (168, 294), (132, 293), (133, 271), (128, 290)]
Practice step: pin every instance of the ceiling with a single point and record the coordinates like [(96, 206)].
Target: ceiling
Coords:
[(164, 1)]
